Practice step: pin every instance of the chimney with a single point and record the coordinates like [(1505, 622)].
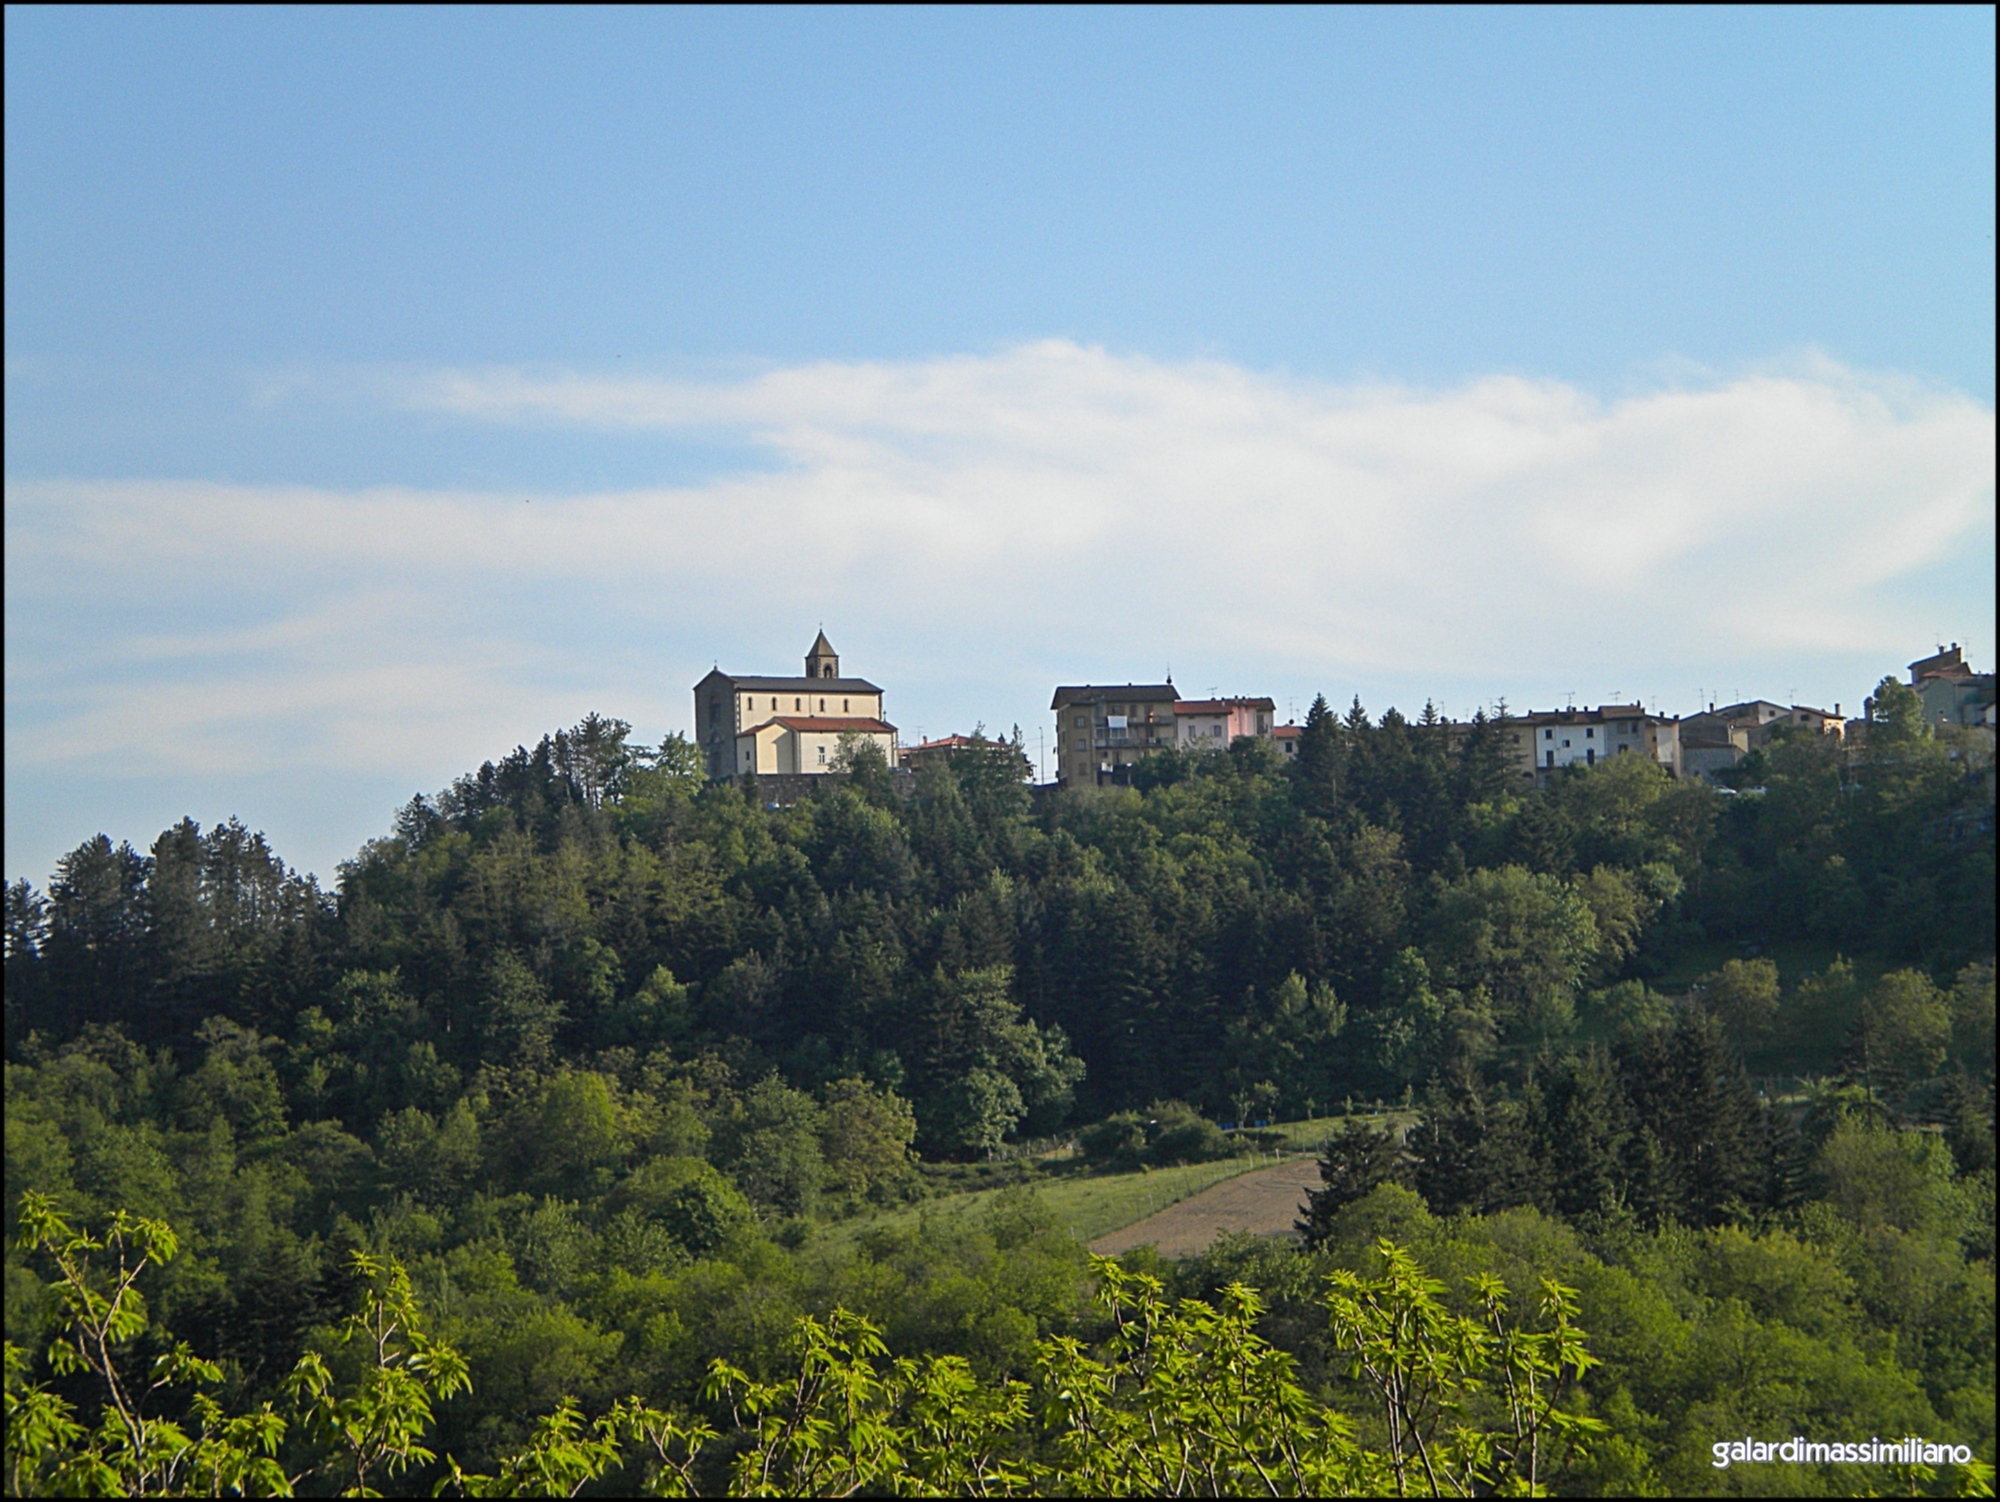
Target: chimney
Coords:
[(1836, 709)]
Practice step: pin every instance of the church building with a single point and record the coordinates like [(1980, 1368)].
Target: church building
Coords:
[(787, 725)]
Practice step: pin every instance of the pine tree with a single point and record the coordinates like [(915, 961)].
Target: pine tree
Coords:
[(1483, 774), (1319, 760), (1455, 1145), (1582, 1132), (1355, 1162), (1688, 1091)]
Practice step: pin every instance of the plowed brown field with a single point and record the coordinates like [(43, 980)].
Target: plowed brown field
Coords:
[(1264, 1202)]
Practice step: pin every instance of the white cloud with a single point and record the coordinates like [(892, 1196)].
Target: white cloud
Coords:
[(1050, 512), (1351, 526)]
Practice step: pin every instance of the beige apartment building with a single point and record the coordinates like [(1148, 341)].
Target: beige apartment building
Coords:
[(787, 725), (1543, 742), (1102, 729)]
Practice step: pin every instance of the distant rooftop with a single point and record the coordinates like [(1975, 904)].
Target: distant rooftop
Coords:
[(825, 724), (1071, 693), (798, 685), (1221, 706)]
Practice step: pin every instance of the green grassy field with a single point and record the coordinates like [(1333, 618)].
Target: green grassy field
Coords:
[(1093, 1204)]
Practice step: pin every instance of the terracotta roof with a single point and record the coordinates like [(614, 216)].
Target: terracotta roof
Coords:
[(1221, 706), (1288, 732), (1583, 716), (825, 724), (1946, 662), (796, 685)]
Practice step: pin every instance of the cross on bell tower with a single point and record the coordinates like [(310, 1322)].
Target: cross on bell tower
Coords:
[(822, 661)]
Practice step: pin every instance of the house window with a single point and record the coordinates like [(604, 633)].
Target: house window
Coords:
[(843, 707), (1590, 734), (1082, 743), (1080, 722), (1552, 758), (797, 705), (822, 706), (1565, 745), (1547, 735), (822, 754), (774, 704), (1590, 756)]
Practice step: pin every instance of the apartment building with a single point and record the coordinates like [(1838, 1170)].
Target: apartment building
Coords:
[(1212, 724), (1102, 729), (1543, 742)]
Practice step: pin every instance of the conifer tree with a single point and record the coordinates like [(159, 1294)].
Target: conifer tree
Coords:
[(1582, 1131), (1319, 759), (1353, 1164), (1688, 1087)]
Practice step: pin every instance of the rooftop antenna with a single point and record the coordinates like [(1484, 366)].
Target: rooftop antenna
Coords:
[(1570, 699)]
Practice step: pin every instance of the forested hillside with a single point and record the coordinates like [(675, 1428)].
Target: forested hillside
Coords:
[(598, 1053)]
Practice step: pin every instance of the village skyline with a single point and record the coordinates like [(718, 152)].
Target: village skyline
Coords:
[(385, 389)]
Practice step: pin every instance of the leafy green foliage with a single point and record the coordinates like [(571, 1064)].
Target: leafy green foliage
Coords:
[(604, 1058), (1427, 1364)]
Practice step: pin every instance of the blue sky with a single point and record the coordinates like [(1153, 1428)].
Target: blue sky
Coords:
[(385, 388)]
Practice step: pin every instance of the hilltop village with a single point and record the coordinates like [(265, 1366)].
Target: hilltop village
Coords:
[(623, 1073), (786, 727)]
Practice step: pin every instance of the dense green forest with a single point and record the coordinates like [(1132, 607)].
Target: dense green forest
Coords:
[(587, 1062)]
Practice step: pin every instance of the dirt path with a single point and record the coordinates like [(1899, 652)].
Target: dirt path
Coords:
[(1264, 1202)]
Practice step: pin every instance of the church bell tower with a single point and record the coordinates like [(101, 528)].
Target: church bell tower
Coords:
[(822, 661)]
